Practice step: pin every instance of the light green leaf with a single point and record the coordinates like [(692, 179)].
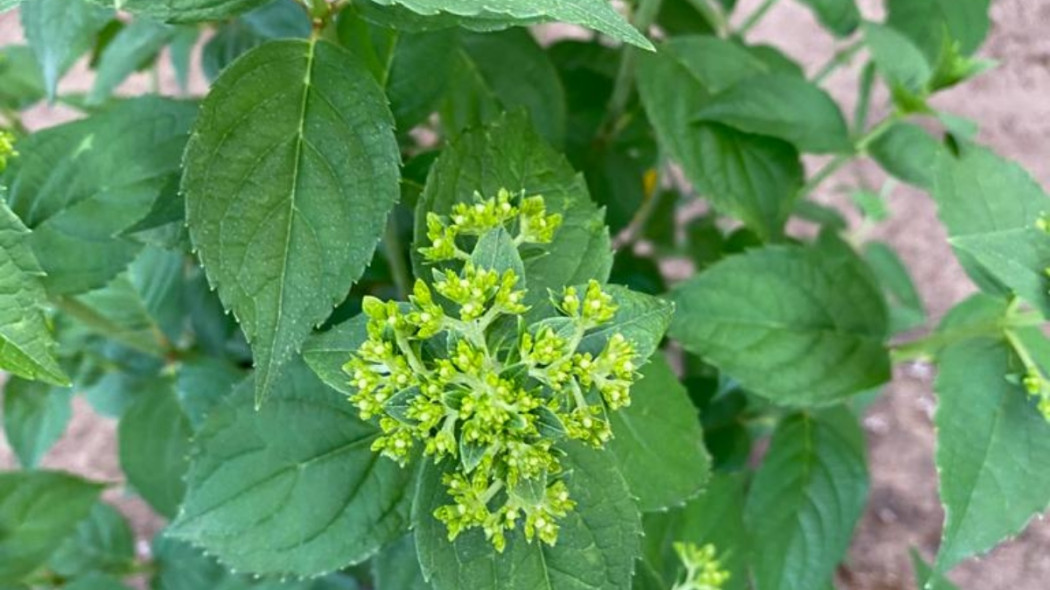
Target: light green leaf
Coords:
[(79, 185), (509, 154), (597, 544), (154, 437), (498, 72), (21, 83), (8, 4), (658, 441), (642, 319), (327, 352), (909, 153), (181, 11), (397, 567), (35, 416), (900, 61), (497, 251), (294, 144), (138, 43), (716, 516), (814, 478), (750, 177), (594, 14), (293, 488), (60, 31), (103, 542), (935, 24), (991, 206), (839, 16), (782, 106), (797, 325), (25, 342), (905, 305), (38, 510), (988, 432)]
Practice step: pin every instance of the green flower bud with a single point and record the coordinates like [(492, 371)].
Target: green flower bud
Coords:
[(703, 569), (7, 149)]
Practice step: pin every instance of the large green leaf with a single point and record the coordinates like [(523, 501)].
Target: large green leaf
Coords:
[(597, 544), (79, 185), (594, 14), (658, 441), (807, 496), (25, 342), (292, 488), (988, 436), (797, 325), (185, 10), (716, 516), (509, 154), (35, 416), (103, 542), (991, 207), (840, 16), (783, 106), (154, 437), (747, 176), (293, 145), (38, 510), (60, 31)]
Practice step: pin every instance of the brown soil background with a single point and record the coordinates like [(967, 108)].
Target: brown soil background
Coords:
[(1012, 104)]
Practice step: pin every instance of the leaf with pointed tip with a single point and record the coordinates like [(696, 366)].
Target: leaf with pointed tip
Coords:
[(35, 416), (839, 16), (25, 342), (135, 44), (901, 63), (60, 31), (293, 145), (293, 488), (496, 251), (909, 153), (597, 544), (935, 24), (184, 11)]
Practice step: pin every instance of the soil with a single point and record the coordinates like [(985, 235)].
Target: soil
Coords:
[(1012, 105)]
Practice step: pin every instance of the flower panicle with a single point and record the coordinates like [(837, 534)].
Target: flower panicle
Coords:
[(703, 569)]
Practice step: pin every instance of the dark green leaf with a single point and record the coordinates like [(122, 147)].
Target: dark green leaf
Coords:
[(906, 308), (292, 488), (840, 16), (783, 106), (154, 437), (909, 153), (135, 45), (202, 383), (35, 416), (186, 10), (60, 31), (294, 144), (658, 441), (812, 318), (814, 478), (596, 549), (397, 567), (38, 510), (101, 543), (21, 84)]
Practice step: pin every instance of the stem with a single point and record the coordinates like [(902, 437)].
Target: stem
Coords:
[(927, 347), (867, 84), (841, 58), (636, 227), (161, 348), (756, 17), (394, 255), (643, 19), (862, 144)]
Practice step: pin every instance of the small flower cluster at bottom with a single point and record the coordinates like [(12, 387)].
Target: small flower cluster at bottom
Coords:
[(7, 148), (703, 570)]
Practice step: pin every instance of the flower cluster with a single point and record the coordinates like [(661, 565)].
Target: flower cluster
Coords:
[(7, 148), (459, 373), (703, 570), (1037, 385)]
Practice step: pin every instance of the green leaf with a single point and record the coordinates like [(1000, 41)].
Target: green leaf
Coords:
[(21, 84), (59, 32), (497, 251), (594, 14), (925, 577), (202, 383), (327, 352), (498, 72), (596, 549), (509, 154), (716, 516), (38, 510), (182, 11), (294, 144), (35, 416), (95, 581), (293, 488), (8, 4), (25, 342), (900, 61), (137, 44), (79, 185), (658, 441), (782, 106), (101, 543), (841, 17), (934, 24), (280, 19), (750, 177), (814, 478), (909, 153), (154, 437), (812, 318), (642, 319), (988, 431), (396, 567), (905, 304), (991, 206)]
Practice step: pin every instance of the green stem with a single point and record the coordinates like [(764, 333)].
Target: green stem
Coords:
[(840, 161), (926, 348), (395, 256), (643, 18), (841, 58), (636, 228), (756, 17)]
